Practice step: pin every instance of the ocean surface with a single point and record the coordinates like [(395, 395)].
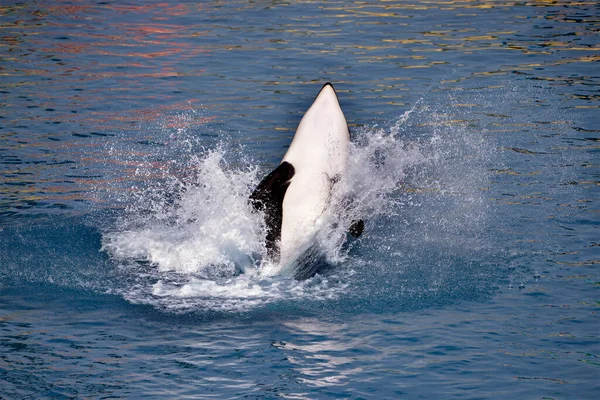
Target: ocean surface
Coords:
[(132, 134)]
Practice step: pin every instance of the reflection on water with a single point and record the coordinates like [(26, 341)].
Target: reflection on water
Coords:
[(323, 354)]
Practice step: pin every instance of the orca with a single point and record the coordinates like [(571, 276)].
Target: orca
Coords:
[(295, 195)]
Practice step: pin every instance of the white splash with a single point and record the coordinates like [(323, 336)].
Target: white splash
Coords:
[(207, 229), (193, 242)]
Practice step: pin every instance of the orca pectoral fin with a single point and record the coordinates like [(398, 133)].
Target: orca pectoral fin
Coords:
[(268, 197), (357, 228), (271, 190)]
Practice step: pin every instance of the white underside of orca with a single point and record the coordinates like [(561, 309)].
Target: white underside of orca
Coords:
[(318, 153), (296, 194)]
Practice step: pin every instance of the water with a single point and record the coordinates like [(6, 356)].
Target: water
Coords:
[(133, 133)]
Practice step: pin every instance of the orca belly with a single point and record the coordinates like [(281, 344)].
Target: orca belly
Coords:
[(295, 195)]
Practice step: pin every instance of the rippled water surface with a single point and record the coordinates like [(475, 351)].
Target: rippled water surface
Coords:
[(132, 134)]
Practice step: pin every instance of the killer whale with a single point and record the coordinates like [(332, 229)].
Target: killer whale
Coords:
[(294, 195)]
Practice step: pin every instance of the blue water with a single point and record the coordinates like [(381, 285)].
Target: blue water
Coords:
[(131, 135)]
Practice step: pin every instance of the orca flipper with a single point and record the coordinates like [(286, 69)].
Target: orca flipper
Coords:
[(268, 197), (357, 228)]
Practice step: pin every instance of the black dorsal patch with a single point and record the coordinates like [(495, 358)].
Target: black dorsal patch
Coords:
[(268, 197)]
